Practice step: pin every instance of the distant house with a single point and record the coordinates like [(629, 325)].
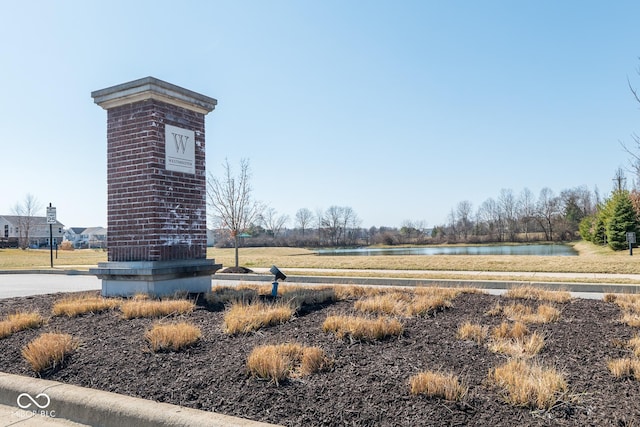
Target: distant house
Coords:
[(14, 230), (87, 237)]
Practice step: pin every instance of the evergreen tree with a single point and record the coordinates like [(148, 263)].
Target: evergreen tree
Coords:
[(622, 220)]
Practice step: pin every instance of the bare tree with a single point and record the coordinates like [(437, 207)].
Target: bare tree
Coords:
[(273, 222), (340, 223), (526, 211), (546, 210), (508, 206), (231, 201), (303, 219), (464, 211), (26, 213)]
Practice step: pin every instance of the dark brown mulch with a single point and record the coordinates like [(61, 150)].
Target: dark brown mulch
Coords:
[(368, 384)]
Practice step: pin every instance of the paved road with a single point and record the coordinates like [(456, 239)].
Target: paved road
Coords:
[(22, 285)]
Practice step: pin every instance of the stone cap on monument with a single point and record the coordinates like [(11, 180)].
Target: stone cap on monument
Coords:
[(152, 88)]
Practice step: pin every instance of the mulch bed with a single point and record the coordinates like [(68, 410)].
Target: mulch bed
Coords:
[(368, 384)]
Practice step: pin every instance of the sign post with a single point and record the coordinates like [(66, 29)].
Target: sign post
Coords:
[(631, 238), (51, 219)]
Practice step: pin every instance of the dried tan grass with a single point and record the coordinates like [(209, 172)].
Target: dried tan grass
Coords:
[(48, 350), (175, 336), (76, 305), (524, 313), (243, 318), (392, 303), (623, 368), (436, 384), (513, 339), (282, 361), (299, 296), (349, 292), (529, 384), (360, 328), (516, 330), (473, 332), (627, 302), (525, 347), (634, 344), (153, 308), (231, 294), (20, 321), (529, 292)]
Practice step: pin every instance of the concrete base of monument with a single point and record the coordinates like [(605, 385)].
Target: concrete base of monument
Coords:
[(158, 278)]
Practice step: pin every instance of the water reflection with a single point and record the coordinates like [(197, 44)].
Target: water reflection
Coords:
[(544, 250)]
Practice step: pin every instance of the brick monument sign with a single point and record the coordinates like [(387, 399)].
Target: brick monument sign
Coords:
[(156, 189)]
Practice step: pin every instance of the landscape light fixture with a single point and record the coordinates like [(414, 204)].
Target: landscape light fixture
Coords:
[(279, 275)]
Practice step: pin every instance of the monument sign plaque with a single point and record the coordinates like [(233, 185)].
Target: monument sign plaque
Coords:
[(180, 149)]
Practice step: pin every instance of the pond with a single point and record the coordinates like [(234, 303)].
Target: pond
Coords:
[(544, 250)]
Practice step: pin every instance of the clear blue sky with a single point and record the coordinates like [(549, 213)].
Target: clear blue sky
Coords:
[(398, 109)]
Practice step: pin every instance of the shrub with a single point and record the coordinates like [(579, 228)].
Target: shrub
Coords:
[(20, 321), (66, 246), (242, 317), (359, 328), (279, 362), (529, 384), (532, 293), (76, 305), (435, 384), (48, 350), (517, 330), (153, 308), (172, 336), (473, 332)]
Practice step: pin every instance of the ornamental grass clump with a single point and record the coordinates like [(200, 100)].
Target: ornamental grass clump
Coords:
[(529, 292), (630, 305), (544, 313), (49, 350), (76, 305), (436, 384), (299, 296), (529, 384), (472, 332), (515, 340), (362, 329), (20, 321), (283, 361), (229, 294), (390, 303), (136, 308), (625, 368), (175, 336), (243, 317)]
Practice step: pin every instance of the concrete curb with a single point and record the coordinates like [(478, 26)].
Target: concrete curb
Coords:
[(483, 284), (49, 271), (101, 408)]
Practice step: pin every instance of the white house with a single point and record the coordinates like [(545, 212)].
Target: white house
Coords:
[(89, 237), (14, 229)]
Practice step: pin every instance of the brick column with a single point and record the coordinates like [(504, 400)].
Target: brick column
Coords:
[(156, 187)]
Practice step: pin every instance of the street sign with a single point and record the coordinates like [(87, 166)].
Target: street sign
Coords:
[(631, 237), (51, 215)]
